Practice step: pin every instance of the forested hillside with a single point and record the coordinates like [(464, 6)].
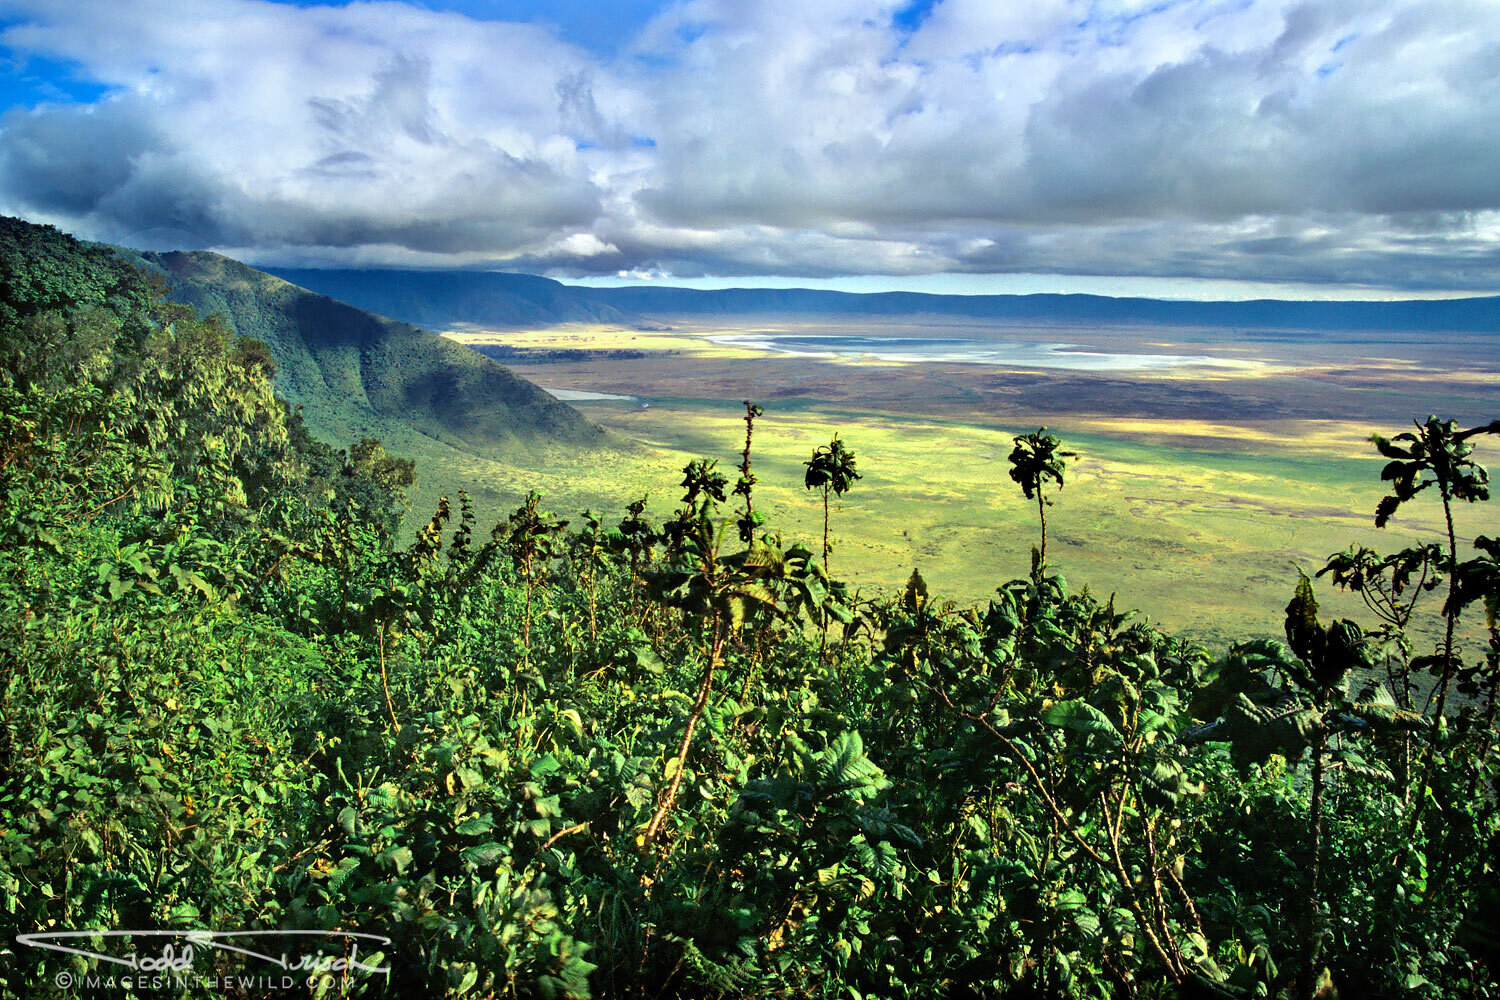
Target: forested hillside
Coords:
[(352, 371), (665, 752)]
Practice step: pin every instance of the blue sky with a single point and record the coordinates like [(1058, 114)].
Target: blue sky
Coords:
[(601, 26), (26, 81), (1205, 148)]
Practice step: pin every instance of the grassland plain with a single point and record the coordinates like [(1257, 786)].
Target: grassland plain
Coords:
[(1197, 516)]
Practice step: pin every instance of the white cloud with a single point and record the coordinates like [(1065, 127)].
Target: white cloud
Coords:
[(257, 124), (1335, 141)]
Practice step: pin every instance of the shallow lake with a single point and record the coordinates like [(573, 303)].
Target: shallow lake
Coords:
[(581, 395), (952, 350)]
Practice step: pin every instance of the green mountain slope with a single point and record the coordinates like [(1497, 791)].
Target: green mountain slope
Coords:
[(356, 373)]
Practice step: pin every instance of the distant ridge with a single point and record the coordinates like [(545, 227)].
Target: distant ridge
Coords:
[(514, 301), (353, 371), (441, 299), (1476, 314)]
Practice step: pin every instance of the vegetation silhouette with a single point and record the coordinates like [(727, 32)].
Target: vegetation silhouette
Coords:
[(1035, 459)]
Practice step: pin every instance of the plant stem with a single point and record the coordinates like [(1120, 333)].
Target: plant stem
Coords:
[(715, 648), (745, 464), (1452, 610), (385, 682), (823, 612), (526, 620), (825, 529), (593, 605), (1041, 510), (1312, 937)]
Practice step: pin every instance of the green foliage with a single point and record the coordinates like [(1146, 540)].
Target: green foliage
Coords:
[(1438, 454), (1035, 459), (744, 486), (831, 468), (43, 270), (626, 759)]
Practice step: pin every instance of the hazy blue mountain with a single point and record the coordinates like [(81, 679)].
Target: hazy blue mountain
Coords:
[(440, 299), (510, 301), (1478, 314)]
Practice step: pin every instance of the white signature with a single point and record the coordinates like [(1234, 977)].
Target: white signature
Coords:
[(170, 959)]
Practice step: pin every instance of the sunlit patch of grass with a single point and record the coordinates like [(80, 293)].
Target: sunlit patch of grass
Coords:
[(1200, 540), (1197, 522), (578, 336), (1334, 437)]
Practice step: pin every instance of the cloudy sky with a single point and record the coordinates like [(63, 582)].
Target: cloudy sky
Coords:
[(1213, 147)]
